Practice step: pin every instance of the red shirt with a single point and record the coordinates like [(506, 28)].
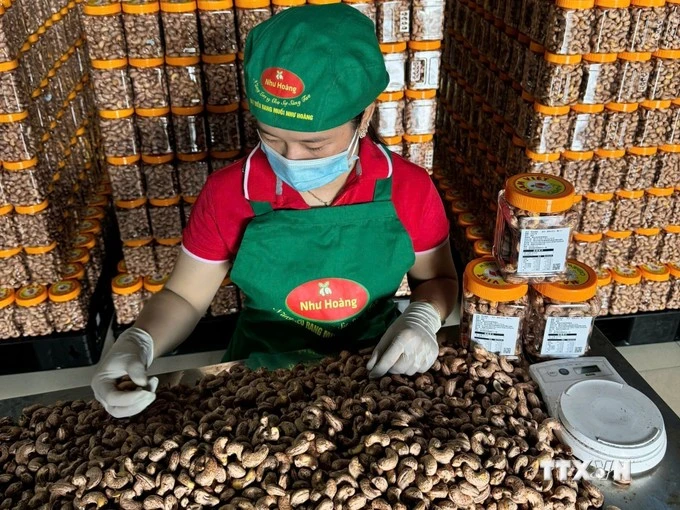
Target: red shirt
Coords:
[(221, 213)]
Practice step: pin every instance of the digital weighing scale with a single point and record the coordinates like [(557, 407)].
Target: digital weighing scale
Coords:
[(603, 419)]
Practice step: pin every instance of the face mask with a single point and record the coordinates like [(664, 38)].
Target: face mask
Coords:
[(306, 174)]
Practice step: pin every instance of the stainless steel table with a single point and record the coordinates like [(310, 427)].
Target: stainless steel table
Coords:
[(658, 489)]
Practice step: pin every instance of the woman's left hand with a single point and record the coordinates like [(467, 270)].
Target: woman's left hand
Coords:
[(409, 345)]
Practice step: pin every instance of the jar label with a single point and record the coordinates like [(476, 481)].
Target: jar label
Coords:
[(566, 336), (540, 186), (543, 250), (495, 333)]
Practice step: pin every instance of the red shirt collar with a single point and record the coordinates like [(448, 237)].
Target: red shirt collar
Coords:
[(259, 180)]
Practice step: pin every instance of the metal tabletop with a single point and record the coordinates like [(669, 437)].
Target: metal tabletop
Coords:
[(658, 489)]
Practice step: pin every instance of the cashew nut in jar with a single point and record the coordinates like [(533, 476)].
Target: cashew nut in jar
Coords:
[(655, 287), (627, 291)]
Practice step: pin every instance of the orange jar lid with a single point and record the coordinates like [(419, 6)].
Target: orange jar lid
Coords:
[(157, 160), (670, 148), (393, 48), (116, 114), (483, 278), (94, 213), (588, 108), (466, 219), (6, 209), (424, 45), (31, 209), (474, 233), (542, 158), (218, 59), (257, 4), (222, 108), (647, 3), (580, 284), (155, 284), (587, 238), (198, 156), (626, 275), (65, 290), (31, 295), (612, 4), (121, 267), (131, 204), (224, 154), (599, 197), (600, 58), (140, 8), (656, 105), (647, 231), (182, 61), (420, 94), (551, 110), (575, 4), (661, 192), (124, 160), (13, 166), (226, 281), (10, 252), (622, 107), (186, 110), (152, 112), (459, 207), (95, 8), (146, 62), (482, 247), (669, 54), (602, 153), (137, 243), (125, 284), (84, 240), (618, 234), (189, 199), (7, 118), (179, 7), (655, 272), (215, 5), (171, 241), (418, 138), (674, 269), (562, 59), (115, 63), (672, 229), (539, 193), (604, 277), (391, 96), (630, 194), (635, 57), (578, 156), (40, 250), (74, 270), (90, 226), (6, 296), (164, 202)]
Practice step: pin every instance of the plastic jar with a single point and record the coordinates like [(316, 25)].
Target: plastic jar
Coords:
[(118, 134), (493, 311), (641, 162), (43, 263), (32, 312), (24, 182), (184, 81), (587, 248), (142, 24), (149, 83), (180, 28), (597, 212), (424, 59), (659, 208), (250, 13), (569, 27), (389, 114), (126, 177), (618, 247), (9, 237), (187, 203), (670, 244), (562, 314), (166, 221), (128, 297), (160, 176), (620, 125), (550, 127), (395, 144), (663, 83), (395, 61), (133, 221), (420, 112), (13, 270), (559, 80), (532, 65), (611, 25), (87, 241), (226, 299), (103, 22), (578, 168), (94, 227), (673, 301), (533, 215), (8, 325), (67, 306), (628, 209), (635, 71), (647, 24), (646, 245), (112, 87), (153, 284), (653, 124), (604, 289), (19, 142), (13, 88), (218, 26), (192, 171), (549, 164), (655, 287), (673, 135), (419, 149), (587, 127), (36, 224), (139, 256), (667, 166), (223, 130), (167, 251), (189, 129), (393, 21), (428, 20), (155, 130), (626, 292), (600, 78), (670, 39), (366, 7), (221, 79)]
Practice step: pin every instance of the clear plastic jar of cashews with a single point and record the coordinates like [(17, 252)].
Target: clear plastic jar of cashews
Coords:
[(67, 306), (533, 228), (673, 300), (8, 325), (226, 299), (32, 313), (493, 311), (128, 297), (627, 292), (562, 314), (604, 289), (655, 287)]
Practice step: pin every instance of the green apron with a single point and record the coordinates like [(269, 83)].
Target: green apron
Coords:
[(318, 280)]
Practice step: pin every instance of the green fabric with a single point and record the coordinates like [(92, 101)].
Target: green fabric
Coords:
[(338, 266), (313, 68)]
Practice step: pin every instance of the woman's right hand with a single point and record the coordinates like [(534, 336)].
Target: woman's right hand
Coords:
[(129, 356)]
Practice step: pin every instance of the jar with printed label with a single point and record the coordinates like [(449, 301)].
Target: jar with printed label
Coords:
[(655, 287), (597, 212), (600, 78), (142, 23), (218, 26), (424, 58), (618, 247), (647, 24), (579, 169), (76, 271), (221, 79), (428, 20), (118, 134), (533, 214), (604, 289), (224, 135), (646, 246), (611, 25), (395, 58), (67, 306), (32, 312), (653, 124), (388, 118), (189, 130), (167, 251), (87, 242), (180, 28), (226, 299), (160, 176), (673, 300), (419, 149), (628, 209), (184, 81), (393, 21), (562, 314), (13, 270), (670, 245), (559, 80), (420, 112), (587, 248), (366, 7), (192, 170), (395, 144), (43, 262), (473, 234), (149, 83), (8, 325), (635, 70), (569, 27), (549, 164), (550, 127), (128, 297), (493, 311), (155, 131), (36, 224), (139, 256), (166, 221), (250, 13), (102, 21), (82, 256), (620, 125), (133, 221)]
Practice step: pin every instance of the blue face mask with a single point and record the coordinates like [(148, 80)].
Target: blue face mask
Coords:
[(306, 174)]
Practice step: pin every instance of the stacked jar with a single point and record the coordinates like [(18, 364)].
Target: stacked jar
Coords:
[(128, 297), (226, 299)]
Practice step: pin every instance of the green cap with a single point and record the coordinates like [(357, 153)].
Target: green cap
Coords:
[(313, 68)]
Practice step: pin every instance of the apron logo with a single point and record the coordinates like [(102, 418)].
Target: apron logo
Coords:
[(328, 300)]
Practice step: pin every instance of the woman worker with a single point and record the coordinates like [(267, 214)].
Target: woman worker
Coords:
[(318, 224)]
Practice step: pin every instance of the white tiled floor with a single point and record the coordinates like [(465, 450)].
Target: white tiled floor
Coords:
[(659, 364)]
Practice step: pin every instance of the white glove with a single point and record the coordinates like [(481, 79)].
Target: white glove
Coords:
[(410, 344), (130, 355)]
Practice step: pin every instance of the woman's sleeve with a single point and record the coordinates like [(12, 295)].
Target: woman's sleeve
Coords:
[(202, 238)]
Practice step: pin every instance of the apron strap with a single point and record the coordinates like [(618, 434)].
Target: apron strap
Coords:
[(383, 187)]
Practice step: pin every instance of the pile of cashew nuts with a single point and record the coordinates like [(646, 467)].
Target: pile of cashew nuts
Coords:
[(469, 434)]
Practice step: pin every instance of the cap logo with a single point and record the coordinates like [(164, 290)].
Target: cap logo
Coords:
[(282, 83)]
